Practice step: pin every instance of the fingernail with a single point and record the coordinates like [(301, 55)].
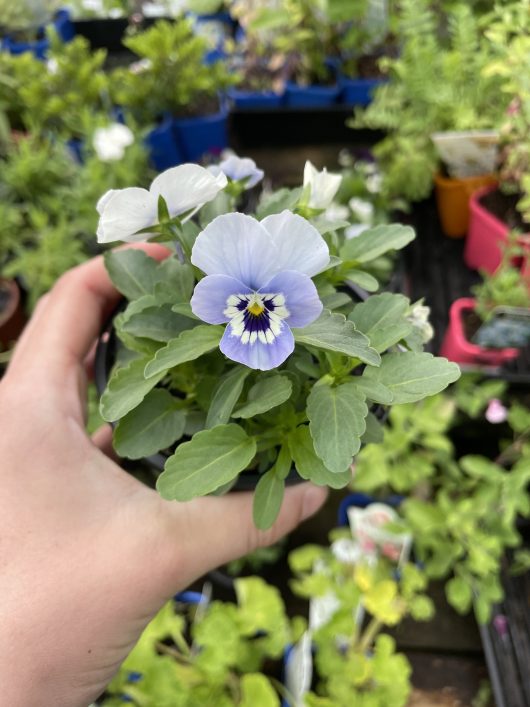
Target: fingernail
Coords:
[(314, 498)]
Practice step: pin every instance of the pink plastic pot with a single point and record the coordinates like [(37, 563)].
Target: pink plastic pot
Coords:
[(485, 235), (457, 348)]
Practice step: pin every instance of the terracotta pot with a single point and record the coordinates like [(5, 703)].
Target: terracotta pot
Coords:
[(12, 317), (457, 348), (452, 199)]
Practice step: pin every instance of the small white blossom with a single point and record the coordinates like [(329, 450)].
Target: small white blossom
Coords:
[(323, 186), (52, 65), (337, 212), (419, 318), (496, 412), (374, 183), (110, 142), (124, 212), (138, 67), (362, 209)]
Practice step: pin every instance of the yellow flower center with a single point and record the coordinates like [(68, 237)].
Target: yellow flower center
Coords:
[(256, 308)]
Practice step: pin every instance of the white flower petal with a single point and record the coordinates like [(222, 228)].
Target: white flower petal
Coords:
[(123, 212), (299, 246), (187, 186), (323, 186), (236, 245)]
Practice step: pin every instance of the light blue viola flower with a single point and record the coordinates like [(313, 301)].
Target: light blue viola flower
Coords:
[(238, 169), (258, 281)]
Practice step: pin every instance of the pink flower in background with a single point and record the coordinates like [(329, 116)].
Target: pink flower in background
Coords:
[(496, 412)]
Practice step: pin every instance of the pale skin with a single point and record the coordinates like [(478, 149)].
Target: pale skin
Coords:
[(87, 553)]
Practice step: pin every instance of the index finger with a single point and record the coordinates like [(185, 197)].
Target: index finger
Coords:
[(65, 327)]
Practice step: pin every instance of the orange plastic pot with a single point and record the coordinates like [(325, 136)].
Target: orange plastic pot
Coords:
[(452, 199)]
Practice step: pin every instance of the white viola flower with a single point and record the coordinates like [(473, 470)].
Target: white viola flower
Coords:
[(323, 186), (240, 168), (496, 412), (362, 209), (355, 230), (419, 318), (110, 142), (124, 212)]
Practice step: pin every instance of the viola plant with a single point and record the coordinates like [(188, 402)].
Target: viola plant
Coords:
[(246, 358)]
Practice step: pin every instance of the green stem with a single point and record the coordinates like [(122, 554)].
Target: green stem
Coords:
[(369, 635)]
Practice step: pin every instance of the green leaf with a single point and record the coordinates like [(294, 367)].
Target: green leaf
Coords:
[(158, 323), (382, 319), (374, 431), (257, 690), (376, 241), (188, 346), (126, 389), (225, 396), (377, 392), (132, 272), (309, 465), (332, 332), (278, 202), (336, 422), (155, 424), (268, 498), (267, 393), (459, 594), (363, 279), (209, 460), (176, 281), (412, 376)]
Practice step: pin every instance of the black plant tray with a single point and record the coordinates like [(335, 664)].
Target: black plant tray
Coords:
[(506, 642), (283, 127)]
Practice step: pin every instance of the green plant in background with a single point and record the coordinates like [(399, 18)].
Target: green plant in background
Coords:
[(56, 94), (436, 84), (221, 664), (461, 511), (26, 15), (356, 662), (171, 77), (509, 35)]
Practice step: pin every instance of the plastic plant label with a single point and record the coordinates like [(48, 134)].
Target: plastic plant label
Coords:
[(509, 327), (299, 669), (470, 153), (321, 609), (368, 526)]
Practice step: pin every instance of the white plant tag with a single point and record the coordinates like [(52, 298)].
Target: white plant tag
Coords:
[(321, 609), (469, 153), (299, 670), (368, 528)]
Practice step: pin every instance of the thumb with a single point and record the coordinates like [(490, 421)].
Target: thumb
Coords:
[(213, 530)]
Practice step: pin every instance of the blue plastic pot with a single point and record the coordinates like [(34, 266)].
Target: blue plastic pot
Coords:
[(202, 135), (63, 26), (164, 147), (358, 92), (311, 96), (252, 100)]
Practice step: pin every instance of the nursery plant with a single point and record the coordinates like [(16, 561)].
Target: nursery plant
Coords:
[(437, 83), (245, 356), (26, 16), (171, 77), (462, 510), (352, 603), (216, 657)]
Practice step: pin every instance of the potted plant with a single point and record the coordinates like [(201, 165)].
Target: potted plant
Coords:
[(299, 31), (345, 655), (497, 211), (253, 402), (219, 656), (172, 88), (23, 26), (491, 329), (435, 85), (463, 510)]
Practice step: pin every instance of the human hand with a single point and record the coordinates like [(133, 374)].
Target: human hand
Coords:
[(89, 554)]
